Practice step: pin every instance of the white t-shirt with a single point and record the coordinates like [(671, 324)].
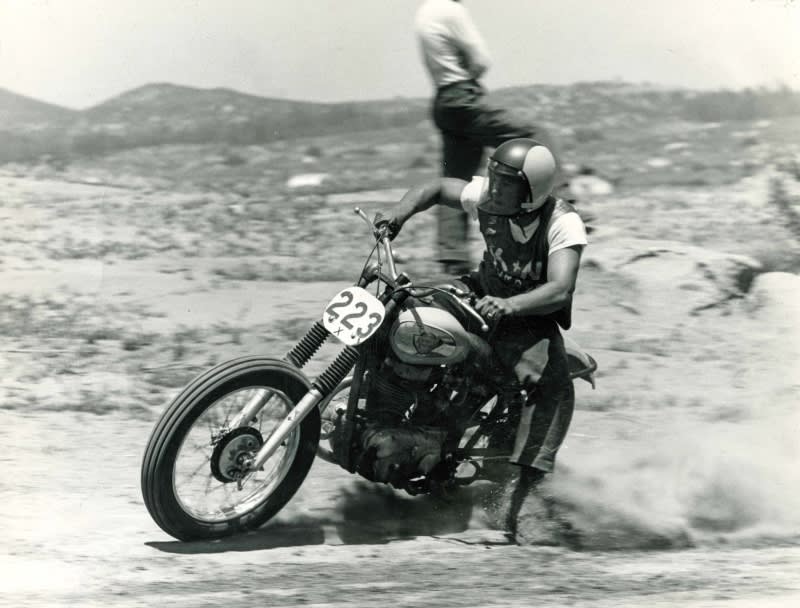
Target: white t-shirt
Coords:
[(452, 48)]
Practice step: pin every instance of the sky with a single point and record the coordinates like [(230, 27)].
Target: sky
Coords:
[(78, 53)]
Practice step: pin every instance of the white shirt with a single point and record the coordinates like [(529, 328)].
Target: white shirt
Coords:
[(452, 48)]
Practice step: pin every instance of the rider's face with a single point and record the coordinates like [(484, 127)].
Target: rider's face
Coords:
[(507, 189)]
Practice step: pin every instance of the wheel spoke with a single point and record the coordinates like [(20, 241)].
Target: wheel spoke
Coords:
[(199, 468), (207, 497), (225, 487), (209, 479), (234, 405)]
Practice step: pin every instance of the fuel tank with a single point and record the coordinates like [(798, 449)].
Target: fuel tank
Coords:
[(427, 335)]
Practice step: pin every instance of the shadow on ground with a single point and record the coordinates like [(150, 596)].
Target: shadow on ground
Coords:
[(367, 514), (375, 514), (274, 536)]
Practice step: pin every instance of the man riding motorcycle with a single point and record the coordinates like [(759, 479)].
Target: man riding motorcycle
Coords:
[(525, 284)]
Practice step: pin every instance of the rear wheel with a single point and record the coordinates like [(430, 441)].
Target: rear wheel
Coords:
[(194, 481)]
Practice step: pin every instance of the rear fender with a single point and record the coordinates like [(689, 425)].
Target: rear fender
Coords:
[(581, 364)]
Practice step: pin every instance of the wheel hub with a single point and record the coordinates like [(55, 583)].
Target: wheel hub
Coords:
[(233, 451)]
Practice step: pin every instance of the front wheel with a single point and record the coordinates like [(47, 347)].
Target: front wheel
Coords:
[(192, 481)]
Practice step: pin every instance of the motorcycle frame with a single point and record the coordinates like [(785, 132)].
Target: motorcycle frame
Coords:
[(336, 372)]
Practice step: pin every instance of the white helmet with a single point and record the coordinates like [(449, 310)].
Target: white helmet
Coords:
[(522, 173)]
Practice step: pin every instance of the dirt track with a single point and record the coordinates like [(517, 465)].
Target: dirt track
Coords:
[(77, 534), (679, 473)]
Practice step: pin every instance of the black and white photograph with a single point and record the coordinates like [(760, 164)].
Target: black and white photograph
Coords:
[(417, 303)]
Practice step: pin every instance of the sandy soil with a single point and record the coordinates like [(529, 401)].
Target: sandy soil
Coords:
[(679, 474)]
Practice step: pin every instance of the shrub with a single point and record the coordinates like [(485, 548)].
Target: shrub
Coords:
[(232, 159), (420, 162)]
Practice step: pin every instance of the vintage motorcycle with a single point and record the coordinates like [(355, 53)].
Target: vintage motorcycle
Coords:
[(426, 408)]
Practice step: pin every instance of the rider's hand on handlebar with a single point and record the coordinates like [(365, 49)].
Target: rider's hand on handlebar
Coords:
[(391, 225), (493, 308)]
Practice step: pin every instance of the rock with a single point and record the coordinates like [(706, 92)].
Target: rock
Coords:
[(306, 180), (690, 278), (775, 297), (775, 289), (676, 145), (570, 168), (587, 186), (658, 163)]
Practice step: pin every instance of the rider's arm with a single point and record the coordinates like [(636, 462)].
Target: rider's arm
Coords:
[(444, 191), (562, 273), (470, 43)]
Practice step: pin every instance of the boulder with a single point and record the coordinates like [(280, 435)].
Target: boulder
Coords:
[(679, 278), (775, 298)]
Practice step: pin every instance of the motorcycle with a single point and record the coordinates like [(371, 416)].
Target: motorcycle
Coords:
[(425, 409)]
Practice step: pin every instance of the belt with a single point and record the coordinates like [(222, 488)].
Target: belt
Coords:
[(457, 83)]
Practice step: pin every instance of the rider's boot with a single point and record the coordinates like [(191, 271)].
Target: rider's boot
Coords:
[(529, 478)]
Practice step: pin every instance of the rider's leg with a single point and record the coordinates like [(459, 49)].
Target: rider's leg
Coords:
[(543, 370), (464, 113), (529, 478), (540, 364), (468, 124), (461, 159)]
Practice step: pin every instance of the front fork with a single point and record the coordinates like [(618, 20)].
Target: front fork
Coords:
[(320, 388), (300, 355)]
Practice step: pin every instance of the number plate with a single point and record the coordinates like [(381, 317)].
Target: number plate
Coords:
[(353, 315)]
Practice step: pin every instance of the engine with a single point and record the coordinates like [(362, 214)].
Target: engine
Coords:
[(416, 396), (397, 390)]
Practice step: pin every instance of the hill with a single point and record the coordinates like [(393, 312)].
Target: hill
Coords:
[(20, 112), (163, 113)]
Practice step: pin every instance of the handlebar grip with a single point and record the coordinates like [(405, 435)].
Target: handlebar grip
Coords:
[(460, 293)]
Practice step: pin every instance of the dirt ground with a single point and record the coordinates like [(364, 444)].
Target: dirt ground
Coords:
[(679, 475)]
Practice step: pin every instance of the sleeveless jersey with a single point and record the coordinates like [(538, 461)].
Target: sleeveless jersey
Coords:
[(517, 250)]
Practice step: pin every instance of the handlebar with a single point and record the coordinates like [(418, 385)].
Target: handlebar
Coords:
[(382, 236), (458, 295)]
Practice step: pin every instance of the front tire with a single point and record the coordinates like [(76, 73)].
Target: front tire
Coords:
[(185, 485)]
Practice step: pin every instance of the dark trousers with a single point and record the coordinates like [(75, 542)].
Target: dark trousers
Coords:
[(531, 349), (468, 124)]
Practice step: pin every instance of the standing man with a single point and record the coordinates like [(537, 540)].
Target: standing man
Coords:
[(456, 57)]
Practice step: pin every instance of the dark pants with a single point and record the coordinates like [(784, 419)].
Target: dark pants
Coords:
[(468, 124), (532, 350)]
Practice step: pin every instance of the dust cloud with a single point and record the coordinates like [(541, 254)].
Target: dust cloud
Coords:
[(685, 484)]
